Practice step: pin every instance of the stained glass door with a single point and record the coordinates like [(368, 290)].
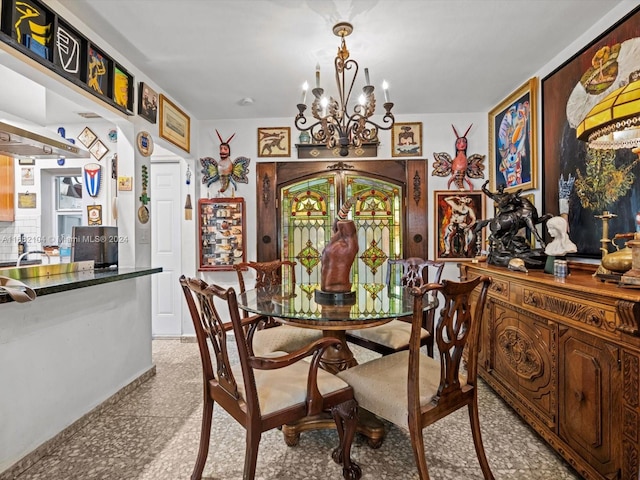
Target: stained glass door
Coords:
[(309, 208)]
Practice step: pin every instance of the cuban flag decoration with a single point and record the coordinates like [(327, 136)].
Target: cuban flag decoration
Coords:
[(92, 178)]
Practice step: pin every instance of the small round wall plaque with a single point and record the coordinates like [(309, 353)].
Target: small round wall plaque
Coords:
[(143, 214), (144, 143)]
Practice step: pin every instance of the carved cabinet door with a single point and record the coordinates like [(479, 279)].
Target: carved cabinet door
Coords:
[(523, 359), (587, 402)]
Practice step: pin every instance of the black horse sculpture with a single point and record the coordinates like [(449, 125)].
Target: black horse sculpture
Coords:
[(514, 214)]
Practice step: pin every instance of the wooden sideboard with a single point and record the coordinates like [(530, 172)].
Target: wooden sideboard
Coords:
[(565, 354)]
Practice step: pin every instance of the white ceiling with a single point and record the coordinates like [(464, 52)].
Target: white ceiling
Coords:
[(438, 56)]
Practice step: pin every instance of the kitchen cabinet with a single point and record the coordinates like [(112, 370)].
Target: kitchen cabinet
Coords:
[(7, 189), (221, 233), (565, 354)]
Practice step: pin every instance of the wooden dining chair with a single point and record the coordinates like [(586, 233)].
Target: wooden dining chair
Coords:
[(394, 336), (419, 390), (261, 393), (271, 335)]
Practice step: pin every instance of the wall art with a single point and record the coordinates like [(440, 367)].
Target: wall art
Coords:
[(27, 176), (98, 150), (456, 214), (174, 124), (94, 214), (274, 142), (147, 103), (87, 137), (406, 139), (607, 63), (513, 141)]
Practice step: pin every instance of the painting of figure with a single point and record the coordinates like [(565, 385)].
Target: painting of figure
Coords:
[(456, 214)]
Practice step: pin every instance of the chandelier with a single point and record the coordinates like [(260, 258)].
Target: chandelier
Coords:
[(334, 125)]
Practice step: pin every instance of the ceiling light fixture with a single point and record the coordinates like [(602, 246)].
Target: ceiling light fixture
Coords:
[(334, 125)]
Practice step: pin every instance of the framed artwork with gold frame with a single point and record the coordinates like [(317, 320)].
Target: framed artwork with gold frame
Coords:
[(94, 214), (175, 125), (513, 157)]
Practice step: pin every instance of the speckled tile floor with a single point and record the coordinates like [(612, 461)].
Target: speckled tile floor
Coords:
[(153, 432)]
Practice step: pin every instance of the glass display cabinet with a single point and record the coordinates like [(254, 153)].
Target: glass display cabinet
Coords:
[(221, 233)]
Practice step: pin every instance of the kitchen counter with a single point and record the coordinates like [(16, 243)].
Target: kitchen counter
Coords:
[(62, 283), (24, 262), (83, 340)]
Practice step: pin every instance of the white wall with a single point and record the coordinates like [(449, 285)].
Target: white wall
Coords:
[(66, 353)]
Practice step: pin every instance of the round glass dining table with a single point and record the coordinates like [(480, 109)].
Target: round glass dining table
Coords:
[(375, 304)]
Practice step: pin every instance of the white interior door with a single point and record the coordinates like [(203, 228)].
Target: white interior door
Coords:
[(166, 210)]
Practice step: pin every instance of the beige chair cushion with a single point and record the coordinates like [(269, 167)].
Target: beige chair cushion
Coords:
[(389, 374), (284, 338), (287, 386), (394, 334)]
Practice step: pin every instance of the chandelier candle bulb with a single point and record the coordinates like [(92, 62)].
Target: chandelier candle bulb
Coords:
[(305, 87), (366, 76), (317, 75), (385, 89)]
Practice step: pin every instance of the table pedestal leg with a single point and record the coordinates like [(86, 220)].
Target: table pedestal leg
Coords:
[(339, 357), (334, 360), (368, 425)]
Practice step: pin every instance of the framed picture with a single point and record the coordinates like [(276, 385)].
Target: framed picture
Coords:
[(27, 176), (125, 184), (513, 140), (175, 125), (274, 142), (94, 214), (26, 200), (147, 103), (99, 72), (456, 213), (98, 150), (568, 94), (406, 139), (87, 137)]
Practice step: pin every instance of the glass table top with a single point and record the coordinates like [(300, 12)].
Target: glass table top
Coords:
[(372, 302)]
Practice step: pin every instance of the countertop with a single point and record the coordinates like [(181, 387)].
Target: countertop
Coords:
[(71, 281)]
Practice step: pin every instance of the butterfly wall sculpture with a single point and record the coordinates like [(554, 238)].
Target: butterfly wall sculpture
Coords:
[(225, 170), (462, 167)]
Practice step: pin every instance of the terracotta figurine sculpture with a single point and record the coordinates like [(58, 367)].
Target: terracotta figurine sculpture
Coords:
[(337, 257)]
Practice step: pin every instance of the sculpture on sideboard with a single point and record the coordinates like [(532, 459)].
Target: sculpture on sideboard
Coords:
[(561, 243), (514, 213)]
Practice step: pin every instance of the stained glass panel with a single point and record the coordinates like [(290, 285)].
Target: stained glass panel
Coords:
[(308, 212)]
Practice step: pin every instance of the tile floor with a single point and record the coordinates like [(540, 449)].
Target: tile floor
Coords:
[(152, 434)]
